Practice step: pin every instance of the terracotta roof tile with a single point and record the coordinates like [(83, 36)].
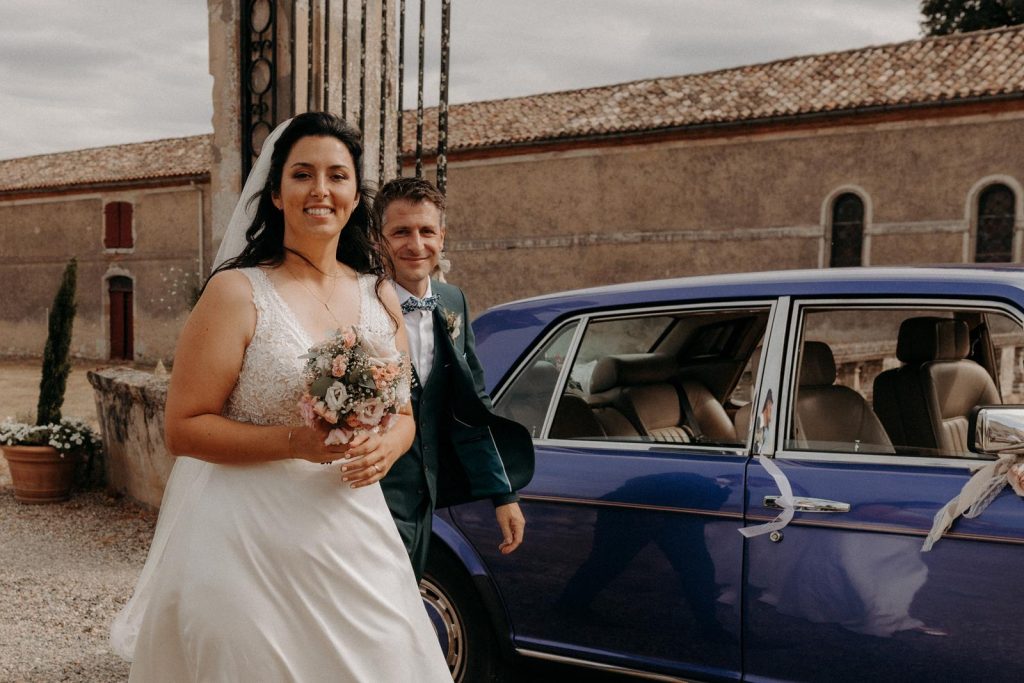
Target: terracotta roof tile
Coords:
[(137, 161), (928, 71)]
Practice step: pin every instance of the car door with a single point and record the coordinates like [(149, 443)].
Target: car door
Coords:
[(844, 592), (632, 557)]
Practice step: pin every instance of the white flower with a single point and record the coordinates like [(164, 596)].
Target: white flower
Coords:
[(336, 396)]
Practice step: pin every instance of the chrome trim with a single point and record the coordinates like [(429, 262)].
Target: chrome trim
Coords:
[(952, 461), (885, 529), (628, 506), (609, 668), (651, 447), (804, 504), (999, 429), (791, 351), (455, 629), (563, 373), (769, 379)]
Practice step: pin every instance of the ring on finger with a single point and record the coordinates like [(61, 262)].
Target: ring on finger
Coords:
[(376, 466)]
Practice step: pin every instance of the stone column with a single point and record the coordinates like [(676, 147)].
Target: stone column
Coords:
[(310, 73)]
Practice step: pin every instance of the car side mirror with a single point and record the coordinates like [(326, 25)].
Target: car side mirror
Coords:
[(993, 430)]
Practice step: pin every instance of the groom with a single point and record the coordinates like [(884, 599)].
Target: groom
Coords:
[(462, 450)]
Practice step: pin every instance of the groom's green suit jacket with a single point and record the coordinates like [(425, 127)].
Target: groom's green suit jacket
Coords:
[(462, 451)]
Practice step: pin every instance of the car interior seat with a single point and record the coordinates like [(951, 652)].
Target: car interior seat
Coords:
[(645, 390), (829, 416), (925, 403)]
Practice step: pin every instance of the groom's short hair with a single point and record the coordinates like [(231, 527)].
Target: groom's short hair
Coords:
[(410, 189)]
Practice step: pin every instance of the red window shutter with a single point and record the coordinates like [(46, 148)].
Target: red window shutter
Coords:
[(112, 226), (125, 225)]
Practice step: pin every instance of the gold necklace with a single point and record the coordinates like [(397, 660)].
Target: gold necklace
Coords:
[(323, 302)]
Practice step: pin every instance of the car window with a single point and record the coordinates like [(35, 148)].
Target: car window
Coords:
[(890, 380), (660, 378), (527, 399)]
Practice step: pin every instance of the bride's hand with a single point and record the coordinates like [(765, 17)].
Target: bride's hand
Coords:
[(370, 455), (306, 443), (368, 459)]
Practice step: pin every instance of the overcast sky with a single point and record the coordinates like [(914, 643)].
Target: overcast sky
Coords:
[(84, 73)]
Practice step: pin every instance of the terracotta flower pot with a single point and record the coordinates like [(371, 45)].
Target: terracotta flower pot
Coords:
[(40, 474)]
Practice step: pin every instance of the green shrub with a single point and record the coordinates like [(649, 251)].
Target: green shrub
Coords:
[(56, 363)]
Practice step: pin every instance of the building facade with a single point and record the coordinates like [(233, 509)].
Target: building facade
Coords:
[(901, 154), (136, 217)]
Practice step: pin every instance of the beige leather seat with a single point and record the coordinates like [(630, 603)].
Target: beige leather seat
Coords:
[(831, 417), (640, 388), (925, 403)]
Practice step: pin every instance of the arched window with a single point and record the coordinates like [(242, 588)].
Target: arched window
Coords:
[(847, 231), (122, 337), (996, 208)]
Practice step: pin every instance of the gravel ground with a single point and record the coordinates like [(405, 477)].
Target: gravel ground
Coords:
[(65, 571)]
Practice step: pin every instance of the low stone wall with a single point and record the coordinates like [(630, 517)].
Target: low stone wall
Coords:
[(130, 406)]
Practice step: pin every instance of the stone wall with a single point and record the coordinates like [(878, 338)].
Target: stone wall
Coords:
[(172, 245), (130, 406)]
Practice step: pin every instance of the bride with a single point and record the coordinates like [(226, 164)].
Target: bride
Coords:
[(268, 565)]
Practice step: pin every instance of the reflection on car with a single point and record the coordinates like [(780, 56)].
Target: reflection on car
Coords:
[(654, 408)]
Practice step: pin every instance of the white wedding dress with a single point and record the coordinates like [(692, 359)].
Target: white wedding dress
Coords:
[(277, 571)]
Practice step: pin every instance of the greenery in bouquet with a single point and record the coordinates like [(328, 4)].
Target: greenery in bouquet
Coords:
[(353, 383)]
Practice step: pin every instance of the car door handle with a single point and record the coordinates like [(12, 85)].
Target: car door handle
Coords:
[(802, 504)]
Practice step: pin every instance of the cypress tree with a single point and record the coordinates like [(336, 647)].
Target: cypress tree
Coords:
[(56, 364)]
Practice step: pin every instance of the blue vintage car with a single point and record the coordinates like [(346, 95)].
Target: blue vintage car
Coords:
[(667, 416)]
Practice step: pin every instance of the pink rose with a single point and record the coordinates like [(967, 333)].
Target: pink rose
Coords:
[(370, 412), (328, 415), (339, 366), (348, 339)]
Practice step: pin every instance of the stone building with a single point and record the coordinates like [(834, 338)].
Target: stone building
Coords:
[(898, 154), (137, 218)]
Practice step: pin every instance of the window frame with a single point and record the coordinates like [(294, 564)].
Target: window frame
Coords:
[(791, 351), (862, 224), (583, 321), (125, 226), (983, 192)]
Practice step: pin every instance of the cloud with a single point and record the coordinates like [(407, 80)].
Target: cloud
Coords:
[(79, 74), (82, 74)]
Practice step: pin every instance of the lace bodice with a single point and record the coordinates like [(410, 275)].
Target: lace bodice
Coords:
[(270, 382)]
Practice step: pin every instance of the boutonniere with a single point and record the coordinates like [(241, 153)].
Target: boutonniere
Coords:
[(453, 323)]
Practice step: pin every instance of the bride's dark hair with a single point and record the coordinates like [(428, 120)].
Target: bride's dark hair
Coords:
[(359, 246)]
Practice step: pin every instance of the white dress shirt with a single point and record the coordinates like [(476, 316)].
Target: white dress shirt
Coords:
[(419, 326)]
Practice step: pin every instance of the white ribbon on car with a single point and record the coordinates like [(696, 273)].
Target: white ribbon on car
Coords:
[(978, 493), (785, 501)]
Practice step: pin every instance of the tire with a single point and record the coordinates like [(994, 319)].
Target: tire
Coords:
[(464, 630)]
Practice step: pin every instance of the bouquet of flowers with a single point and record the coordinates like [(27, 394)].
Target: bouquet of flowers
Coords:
[(354, 384)]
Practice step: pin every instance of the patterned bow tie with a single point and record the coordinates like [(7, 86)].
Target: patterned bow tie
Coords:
[(413, 304)]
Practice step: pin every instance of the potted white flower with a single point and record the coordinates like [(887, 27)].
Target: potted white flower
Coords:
[(43, 457)]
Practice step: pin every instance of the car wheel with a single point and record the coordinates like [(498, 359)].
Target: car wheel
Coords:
[(466, 636)]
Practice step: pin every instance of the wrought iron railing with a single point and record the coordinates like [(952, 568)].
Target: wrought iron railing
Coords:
[(262, 50)]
